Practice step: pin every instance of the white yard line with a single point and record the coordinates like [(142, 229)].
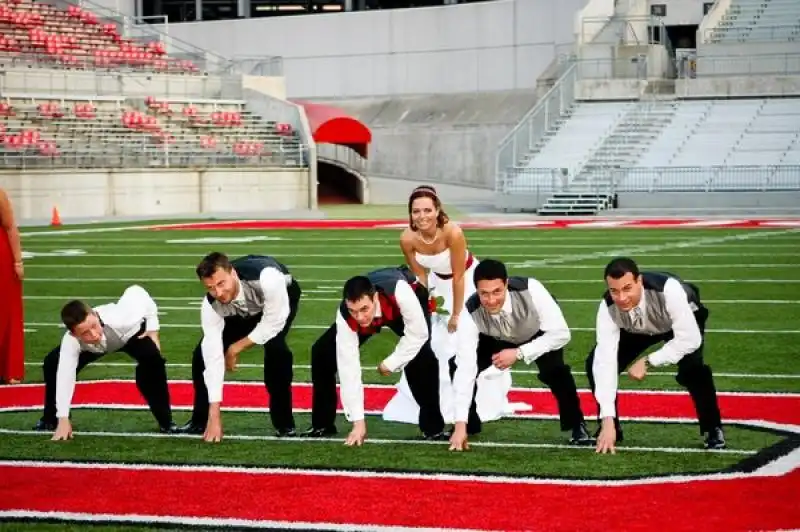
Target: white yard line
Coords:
[(534, 250), (216, 523), (450, 477), (513, 371), (388, 441), (189, 279), (361, 263), (324, 237), (259, 384), (195, 301), (703, 242), (644, 248), (579, 329)]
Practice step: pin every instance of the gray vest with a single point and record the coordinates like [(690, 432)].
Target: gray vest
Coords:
[(516, 328), (656, 319), (113, 342), (249, 270)]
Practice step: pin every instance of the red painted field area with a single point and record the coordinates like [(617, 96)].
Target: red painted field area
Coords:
[(358, 501)]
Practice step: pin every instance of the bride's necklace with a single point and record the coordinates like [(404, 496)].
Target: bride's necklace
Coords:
[(429, 242)]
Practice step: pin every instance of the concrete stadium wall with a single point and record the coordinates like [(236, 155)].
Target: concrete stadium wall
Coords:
[(438, 138), (501, 45), (738, 86), (710, 200), (104, 193), (69, 83), (679, 12), (384, 191), (738, 59)]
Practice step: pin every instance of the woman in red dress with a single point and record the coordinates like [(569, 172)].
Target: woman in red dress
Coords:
[(12, 351)]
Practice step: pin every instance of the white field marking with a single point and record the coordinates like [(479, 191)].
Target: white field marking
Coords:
[(27, 254), (84, 266), (221, 240), (787, 467), (782, 223), (513, 371), (194, 301), (306, 280), (710, 223), (704, 242), (259, 384), (578, 329), (533, 251), (215, 522), (388, 441), (658, 246), (379, 414), (29, 331), (88, 230)]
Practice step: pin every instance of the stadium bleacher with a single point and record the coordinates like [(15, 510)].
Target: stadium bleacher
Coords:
[(759, 20), (41, 129)]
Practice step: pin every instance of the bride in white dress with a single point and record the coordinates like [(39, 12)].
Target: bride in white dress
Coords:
[(436, 250)]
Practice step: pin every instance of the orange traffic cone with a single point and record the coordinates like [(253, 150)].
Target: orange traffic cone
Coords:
[(55, 220)]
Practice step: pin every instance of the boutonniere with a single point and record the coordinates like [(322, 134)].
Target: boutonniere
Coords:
[(436, 306)]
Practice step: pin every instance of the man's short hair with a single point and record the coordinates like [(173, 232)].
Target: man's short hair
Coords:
[(619, 267), (489, 270), (357, 287), (211, 263), (74, 313)]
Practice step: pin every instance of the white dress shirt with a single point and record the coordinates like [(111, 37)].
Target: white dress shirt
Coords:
[(124, 317), (686, 339), (556, 334), (348, 354), (275, 313)]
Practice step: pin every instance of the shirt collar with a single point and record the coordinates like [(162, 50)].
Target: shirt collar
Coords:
[(239, 296), (378, 312), (507, 303), (642, 304)]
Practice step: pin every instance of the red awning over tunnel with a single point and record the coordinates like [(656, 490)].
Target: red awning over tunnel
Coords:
[(334, 126)]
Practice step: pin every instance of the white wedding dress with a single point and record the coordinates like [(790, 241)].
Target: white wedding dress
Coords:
[(493, 384)]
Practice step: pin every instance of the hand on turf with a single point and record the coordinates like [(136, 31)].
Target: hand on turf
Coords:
[(458, 441), (213, 433), (63, 430), (638, 369), (357, 434), (607, 439), (383, 370), (153, 335), (505, 358)]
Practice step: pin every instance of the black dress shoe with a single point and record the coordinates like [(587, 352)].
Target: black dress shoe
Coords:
[(715, 439), (580, 436), (286, 433), (171, 429), (190, 428), (319, 433), (439, 436), (44, 425)]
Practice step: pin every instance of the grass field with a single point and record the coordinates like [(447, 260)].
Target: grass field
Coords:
[(749, 279)]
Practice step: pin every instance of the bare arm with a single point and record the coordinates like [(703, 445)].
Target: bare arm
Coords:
[(458, 264), (407, 245), (10, 226)]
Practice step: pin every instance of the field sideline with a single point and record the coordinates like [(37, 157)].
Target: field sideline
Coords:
[(748, 272)]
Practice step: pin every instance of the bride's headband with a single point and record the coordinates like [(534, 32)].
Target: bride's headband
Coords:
[(426, 188)]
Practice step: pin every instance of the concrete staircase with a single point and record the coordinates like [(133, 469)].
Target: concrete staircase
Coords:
[(591, 189)]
